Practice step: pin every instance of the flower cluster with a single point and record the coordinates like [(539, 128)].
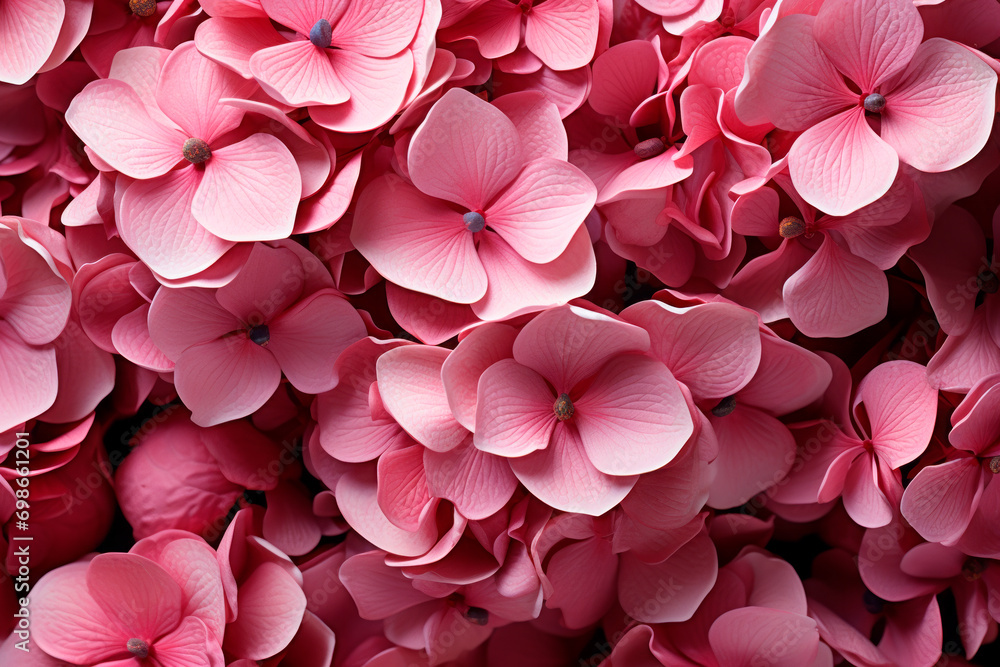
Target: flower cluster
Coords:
[(461, 333)]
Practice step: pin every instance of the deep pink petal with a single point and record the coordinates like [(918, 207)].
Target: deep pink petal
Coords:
[(232, 41), (963, 360), (940, 112), (289, 523), (753, 635), (901, 408), (301, 15), (624, 76), (255, 299), (71, 625), (271, 606), (402, 487), (759, 283), (190, 645), (840, 164), (180, 318), (460, 373), (940, 501), (755, 452), (479, 484), (495, 27), (136, 593), (563, 33), (379, 591), (788, 378), (863, 498)]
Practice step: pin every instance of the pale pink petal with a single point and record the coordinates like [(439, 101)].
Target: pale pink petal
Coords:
[(377, 87), (157, 224), (670, 591), (516, 285), (271, 607), (562, 476), (755, 452), (112, 120), (869, 40), (705, 11), (417, 242), (714, 349), (563, 33), (840, 164), (466, 151), (28, 32), (836, 294), (307, 339), (249, 191), (514, 410), (225, 379), (963, 360), (633, 418), (180, 318), (495, 27), (301, 15), (232, 41), (409, 381), (788, 378), (940, 501), (789, 81), (189, 89), (136, 593), (402, 486), (536, 119), (479, 484), (299, 74), (28, 379), (940, 112), (901, 408), (483, 347), (379, 29), (190, 645), (255, 300), (566, 345), (542, 208), (71, 625), (757, 635)]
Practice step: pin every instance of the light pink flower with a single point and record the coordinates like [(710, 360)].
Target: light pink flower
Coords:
[(580, 410), (932, 103), (199, 186), (494, 217), (119, 24), (38, 35), (230, 346)]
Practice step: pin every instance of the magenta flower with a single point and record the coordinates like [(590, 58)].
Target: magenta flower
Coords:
[(200, 188), (859, 65), (230, 346), (493, 219)]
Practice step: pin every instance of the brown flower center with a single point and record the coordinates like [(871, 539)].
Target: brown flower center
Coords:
[(142, 8), (791, 227), (563, 407), (649, 148), (196, 150), (137, 647)]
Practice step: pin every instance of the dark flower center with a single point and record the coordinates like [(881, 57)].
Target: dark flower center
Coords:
[(142, 8), (649, 148), (973, 568), (988, 282), (873, 603), (474, 222), (563, 407), (137, 647), (874, 103), (725, 407), (321, 34), (260, 334), (791, 227), (477, 616), (196, 150), (994, 465)]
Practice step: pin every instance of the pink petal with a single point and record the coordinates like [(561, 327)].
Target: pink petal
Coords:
[(633, 418), (299, 74), (946, 93), (836, 294), (111, 119), (714, 349), (789, 81), (137, 594), (157, 224), (193, 565), (516, 285), (869, 40), (379, 29), (672, 590), (190, 645), (495, 27), (378, 590), (466, 151), (253, 299), (130, 337), (588, 560), (756, 635), (232, 41), (189, 89), (963, 360), (250, 191), (568, 344), (483, 347), (901, 407), (402, 487), (225, 379), (302, 15), (514, 410), (271, 606), (28, 379), (563, 33), (35, 299), (840, 164), (409, 381), (537, 121), (477, 483), (542, 208), (180, 318), (562, 476), (71, 625), (788, 378), (307, 339), (940, 501), (624, 75), (417, 242), (377, 87), (863, 498), (29, 30), (759, 283), (289, 523), (755, 452)]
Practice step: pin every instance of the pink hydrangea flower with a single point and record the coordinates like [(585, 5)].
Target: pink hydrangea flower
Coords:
[(230, 346), (931, 102), (38, 35)]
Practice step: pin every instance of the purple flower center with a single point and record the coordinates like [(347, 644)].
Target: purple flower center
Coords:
[(321, 34), (988, 282), (142, 8), (137, 647), (563, 407), (791, 227), (260, 334), (474, 222), (477, 616), (196, 150), (649, 148), (874, 103), (725, 407)]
